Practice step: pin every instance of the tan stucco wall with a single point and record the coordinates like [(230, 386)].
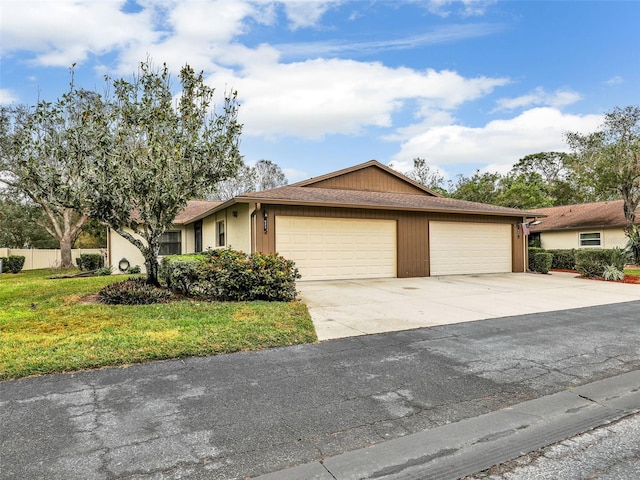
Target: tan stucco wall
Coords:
[(611, 238), (238, 236), (239, 228), (120, 248)]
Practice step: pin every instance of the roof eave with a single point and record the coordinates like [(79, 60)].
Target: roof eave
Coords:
[(279, 201)]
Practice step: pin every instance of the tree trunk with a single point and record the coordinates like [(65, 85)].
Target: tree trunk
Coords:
[(151, 264), (66, 260)]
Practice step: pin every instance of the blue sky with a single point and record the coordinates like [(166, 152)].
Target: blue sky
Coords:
[(328, 84)]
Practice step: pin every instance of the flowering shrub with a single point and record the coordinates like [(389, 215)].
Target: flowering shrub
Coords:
[(227, 274)]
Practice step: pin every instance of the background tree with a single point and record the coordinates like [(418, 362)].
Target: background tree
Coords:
[(268, 175), (524, 191), (609, 160), (555, 168), (264, 175), (423, 174), (44, 153), (243, 181), (21, 225), (480, 187), (153, 155)]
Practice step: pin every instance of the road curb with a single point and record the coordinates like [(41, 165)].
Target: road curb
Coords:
[(469, 446)]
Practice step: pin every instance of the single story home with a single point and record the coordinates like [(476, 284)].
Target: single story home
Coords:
[(587, 225), (366, 221)]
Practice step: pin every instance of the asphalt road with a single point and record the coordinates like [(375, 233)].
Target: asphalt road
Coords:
[(611, 452), (241, 415)]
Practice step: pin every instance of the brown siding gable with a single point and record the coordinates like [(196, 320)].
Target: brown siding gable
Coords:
[(371, 176)]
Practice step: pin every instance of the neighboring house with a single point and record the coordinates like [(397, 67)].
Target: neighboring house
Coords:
[(587, 225), (367, 221)]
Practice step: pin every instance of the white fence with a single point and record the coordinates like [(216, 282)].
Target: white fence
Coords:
[(46, 258)]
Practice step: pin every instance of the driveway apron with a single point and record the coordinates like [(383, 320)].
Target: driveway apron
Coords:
[(358, 307)]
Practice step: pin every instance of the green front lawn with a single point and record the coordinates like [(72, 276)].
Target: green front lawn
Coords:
[(631, 271), (48, 326)]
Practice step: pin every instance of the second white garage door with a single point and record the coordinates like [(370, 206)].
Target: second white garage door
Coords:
[(338, 248), (461, 248)]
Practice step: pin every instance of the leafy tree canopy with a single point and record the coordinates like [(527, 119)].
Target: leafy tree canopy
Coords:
[(609, 160)]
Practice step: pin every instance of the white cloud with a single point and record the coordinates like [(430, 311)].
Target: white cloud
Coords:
[(7, 96), (499, 143), (465, 8), (306, 13), (438, 34), (617, 80), (72, 30), (539, 97), (318, 97)]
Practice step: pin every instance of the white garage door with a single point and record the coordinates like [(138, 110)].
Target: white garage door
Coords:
[(338, 248), (460, 248)]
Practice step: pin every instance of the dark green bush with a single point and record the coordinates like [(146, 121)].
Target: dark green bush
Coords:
[(12, 263), (180, 272), (532, 252), (592, 262), (134, 270), (563, 259), (227, 274), (90, 261), (133, 291), (540, 262)]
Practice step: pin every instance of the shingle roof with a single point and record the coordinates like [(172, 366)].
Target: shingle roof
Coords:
[(194, 209), (376, 200), (586, 215)]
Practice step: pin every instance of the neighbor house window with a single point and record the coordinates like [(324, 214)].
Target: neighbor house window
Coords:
[(171, 243), (220, 230), (590, 239), (197, 234)]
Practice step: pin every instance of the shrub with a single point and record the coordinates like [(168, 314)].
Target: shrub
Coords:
[(563, 259), (532, 252), (106, 270), (180, 272), (133, 291), (611, 273), (633, 245), (90, 261), (227, 274), (12, 263), (592, 262), (541, 262), (135, 270)]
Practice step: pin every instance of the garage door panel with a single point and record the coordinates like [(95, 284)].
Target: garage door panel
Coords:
[(461, 248), (332, 248)]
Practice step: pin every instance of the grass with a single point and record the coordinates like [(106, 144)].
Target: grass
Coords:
[(632, 271), (45, 327)]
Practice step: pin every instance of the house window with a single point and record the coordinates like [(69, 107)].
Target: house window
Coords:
[(197, 234), (171, 243), (220, 230), (590, 239)]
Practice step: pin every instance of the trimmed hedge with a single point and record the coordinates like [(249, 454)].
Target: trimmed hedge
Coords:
[(227, 274), (532, 252), (592, 262), (540, 261), (12, 263), (563, 259), (90, 261)]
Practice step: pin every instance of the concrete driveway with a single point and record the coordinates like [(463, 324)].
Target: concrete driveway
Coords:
[(357, 307)]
